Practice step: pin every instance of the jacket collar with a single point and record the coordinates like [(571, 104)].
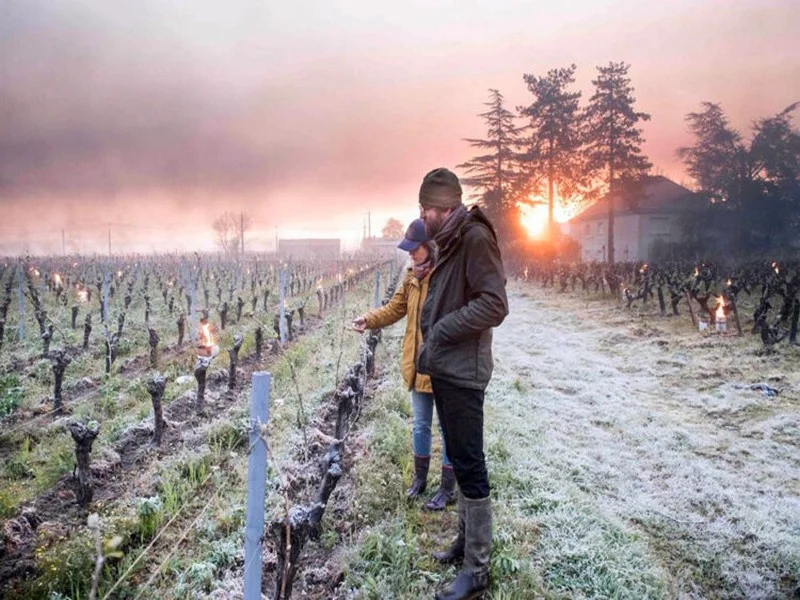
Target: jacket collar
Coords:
[(474, 217)]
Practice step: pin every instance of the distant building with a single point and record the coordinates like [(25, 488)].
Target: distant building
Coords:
[(303, 249), (654, 220), (381, 246)]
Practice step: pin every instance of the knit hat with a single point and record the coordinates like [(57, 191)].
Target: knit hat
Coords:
[(440, 189), (415, 235)]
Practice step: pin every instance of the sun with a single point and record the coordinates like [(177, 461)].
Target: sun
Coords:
[(534, 220)]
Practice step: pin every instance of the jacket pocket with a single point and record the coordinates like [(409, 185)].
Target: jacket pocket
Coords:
[(456, 362)]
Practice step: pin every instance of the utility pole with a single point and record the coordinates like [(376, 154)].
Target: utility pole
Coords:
[(109, 239), (369, 225), (241, 230), (276, 240), (63, 246)]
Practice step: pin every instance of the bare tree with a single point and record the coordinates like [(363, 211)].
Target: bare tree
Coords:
[(393, 230), (229, 229)]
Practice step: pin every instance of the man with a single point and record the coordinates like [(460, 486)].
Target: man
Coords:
[(466, 298)]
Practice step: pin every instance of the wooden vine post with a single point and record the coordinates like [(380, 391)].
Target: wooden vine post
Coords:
[(84, 435), (155, 387)]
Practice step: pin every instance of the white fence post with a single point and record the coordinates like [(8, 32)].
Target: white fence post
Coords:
[(282, 323), (377, 300), (21, 306), (256, 485)]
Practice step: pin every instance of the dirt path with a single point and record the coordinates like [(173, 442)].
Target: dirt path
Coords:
[(652, 428)]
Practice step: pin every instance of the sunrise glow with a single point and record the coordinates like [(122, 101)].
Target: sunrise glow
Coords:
[(534, 220), (534, 217)]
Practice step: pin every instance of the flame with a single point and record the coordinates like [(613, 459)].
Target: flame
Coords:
[(119, 273), (644, 268), (57, 279), (83, 295), (720, 314), (696, 271), (206, 339), (729, 282), (775, 266)]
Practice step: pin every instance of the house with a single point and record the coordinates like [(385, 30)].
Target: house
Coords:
[(302, 249), (384, 247), (655, 220)]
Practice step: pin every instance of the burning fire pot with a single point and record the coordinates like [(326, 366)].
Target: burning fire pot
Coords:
[(720, 318), (205, 344)]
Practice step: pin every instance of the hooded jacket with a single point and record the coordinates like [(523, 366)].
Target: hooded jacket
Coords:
[(406, 302), (466, 299)]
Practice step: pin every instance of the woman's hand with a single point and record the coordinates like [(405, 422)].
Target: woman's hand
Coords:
[(360, 324)]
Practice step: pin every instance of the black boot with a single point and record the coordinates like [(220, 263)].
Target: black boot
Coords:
[(455, 552), (473, 580), (421, 465), (447, 490)]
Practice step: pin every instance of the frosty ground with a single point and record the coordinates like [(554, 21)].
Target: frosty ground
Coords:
[(629, 457)]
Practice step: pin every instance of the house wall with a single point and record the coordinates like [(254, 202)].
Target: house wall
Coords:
[(381, 247), (664, 227), (309, 249), (592, 235), (634, 235)]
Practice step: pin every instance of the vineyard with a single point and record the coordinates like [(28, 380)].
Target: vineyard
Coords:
[(715, 296), (642, 431), (124, 392)]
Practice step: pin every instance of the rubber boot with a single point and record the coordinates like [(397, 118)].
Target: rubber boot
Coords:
[(447, 490), (455, 552), (421, 465), (473, 580)]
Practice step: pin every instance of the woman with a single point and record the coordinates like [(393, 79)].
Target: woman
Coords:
[(407, 301)]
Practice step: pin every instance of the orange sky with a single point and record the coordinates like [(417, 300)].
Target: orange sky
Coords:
[(157, 116)]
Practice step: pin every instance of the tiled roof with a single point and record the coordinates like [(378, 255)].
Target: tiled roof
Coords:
[(660, 195)]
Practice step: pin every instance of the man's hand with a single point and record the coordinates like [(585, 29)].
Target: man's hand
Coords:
[(360, 324)]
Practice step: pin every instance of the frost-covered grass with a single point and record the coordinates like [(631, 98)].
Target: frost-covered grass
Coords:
[(653, 469)]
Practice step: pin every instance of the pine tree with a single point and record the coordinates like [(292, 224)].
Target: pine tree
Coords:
[(613, 140), (494, 174), (555, 135)]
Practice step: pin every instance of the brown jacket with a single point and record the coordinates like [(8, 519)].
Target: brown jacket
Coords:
[(407, 301), (467, 298)]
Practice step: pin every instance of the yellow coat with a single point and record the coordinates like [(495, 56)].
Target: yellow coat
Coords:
[(407, 301)]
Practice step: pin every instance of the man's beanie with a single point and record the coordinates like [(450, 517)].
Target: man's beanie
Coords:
[(440, 189)]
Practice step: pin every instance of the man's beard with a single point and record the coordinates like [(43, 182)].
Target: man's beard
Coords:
[(433, 224)]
